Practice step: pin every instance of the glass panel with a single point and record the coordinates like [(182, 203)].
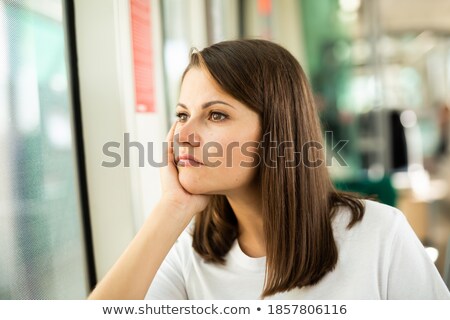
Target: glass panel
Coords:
[(41, 239)]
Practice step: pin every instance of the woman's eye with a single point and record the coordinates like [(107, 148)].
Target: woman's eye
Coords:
[(217, 116), (182, 116), (214, 116)]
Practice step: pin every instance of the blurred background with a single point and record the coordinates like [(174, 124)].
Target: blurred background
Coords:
[(77, 74)]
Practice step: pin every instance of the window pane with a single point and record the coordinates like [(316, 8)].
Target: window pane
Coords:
[(41, 236)]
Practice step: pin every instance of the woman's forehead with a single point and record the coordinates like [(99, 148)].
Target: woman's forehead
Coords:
[(200, 78), (198, 87)]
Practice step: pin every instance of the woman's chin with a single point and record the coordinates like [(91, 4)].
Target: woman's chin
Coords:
[(193, 186)]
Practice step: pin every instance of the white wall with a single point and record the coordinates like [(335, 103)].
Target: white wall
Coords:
[(119, 197)]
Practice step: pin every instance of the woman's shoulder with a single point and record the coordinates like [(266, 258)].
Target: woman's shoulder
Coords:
[(185, 238), (182, 252), (380, 213), (379, 220)]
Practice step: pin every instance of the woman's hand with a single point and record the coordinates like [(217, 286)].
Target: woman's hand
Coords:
[(173, 193), (132, 274)]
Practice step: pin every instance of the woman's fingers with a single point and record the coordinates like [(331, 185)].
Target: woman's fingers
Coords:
[(169, 137), (169, 140)]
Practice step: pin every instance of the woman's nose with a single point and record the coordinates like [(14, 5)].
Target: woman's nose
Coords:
[(186, 133)]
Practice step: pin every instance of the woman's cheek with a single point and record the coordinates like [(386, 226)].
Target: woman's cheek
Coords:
[(191, 181)]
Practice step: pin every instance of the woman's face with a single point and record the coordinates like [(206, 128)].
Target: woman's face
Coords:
[(218, 131)]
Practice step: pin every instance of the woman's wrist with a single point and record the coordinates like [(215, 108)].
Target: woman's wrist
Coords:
[(175, 210), (172, 203)]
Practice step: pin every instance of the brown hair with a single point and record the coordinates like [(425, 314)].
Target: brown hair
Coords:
[(298, 202)]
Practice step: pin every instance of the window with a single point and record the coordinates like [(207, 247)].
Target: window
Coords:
[(41, 231)]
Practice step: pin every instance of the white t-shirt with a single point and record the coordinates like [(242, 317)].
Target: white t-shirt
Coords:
[(380, 257)]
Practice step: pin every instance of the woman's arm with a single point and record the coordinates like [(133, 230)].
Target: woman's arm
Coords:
[(133, 273), (412, 274)]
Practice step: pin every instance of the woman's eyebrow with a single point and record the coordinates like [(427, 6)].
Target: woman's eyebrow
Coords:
[(208, 104)]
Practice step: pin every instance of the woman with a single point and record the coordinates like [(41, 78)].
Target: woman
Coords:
[(247, 162)]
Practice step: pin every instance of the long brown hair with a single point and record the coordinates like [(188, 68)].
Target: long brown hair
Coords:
[(298, 202)]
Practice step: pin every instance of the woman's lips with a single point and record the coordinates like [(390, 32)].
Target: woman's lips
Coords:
[(187, 161)]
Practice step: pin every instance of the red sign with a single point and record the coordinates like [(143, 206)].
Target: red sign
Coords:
[(265, 7), (142, 55)]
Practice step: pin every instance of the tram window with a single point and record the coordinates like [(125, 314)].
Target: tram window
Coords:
[(41, 234)]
